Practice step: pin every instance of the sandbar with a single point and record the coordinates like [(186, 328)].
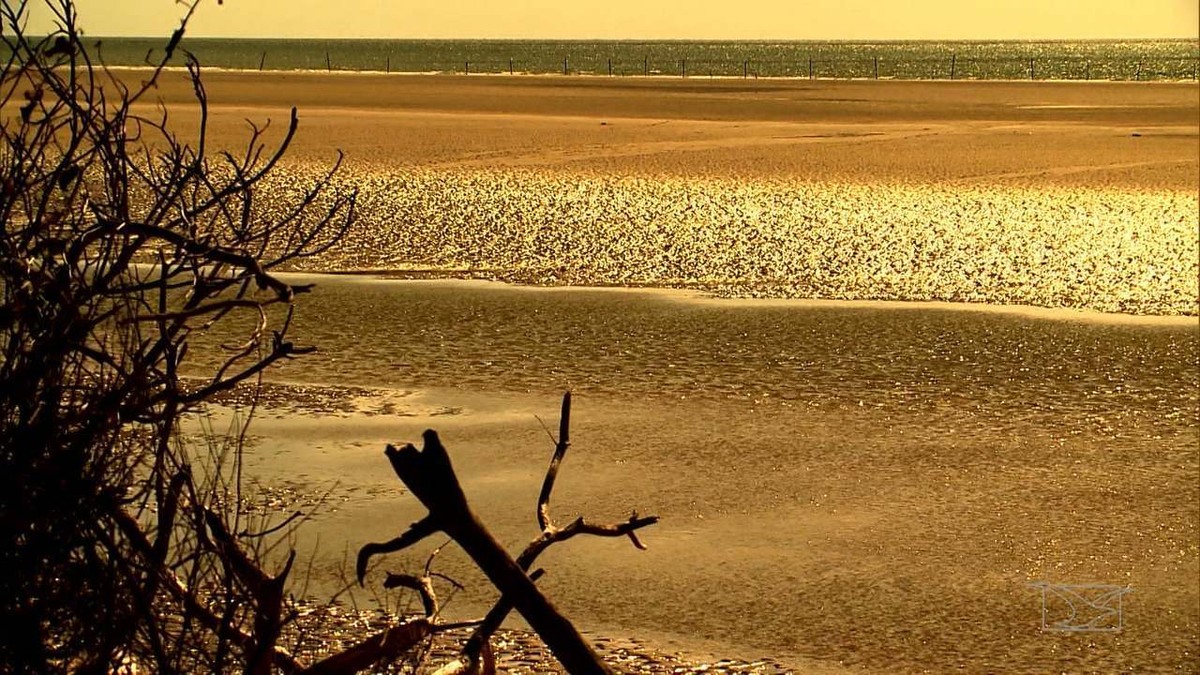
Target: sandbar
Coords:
[(1136, 135)]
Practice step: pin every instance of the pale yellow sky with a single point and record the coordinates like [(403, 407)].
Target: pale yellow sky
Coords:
[(651, 19)]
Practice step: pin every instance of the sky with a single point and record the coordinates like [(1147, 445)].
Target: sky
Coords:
[(645, 19)]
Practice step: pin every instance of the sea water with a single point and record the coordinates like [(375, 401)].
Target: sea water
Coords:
[(985, 60)]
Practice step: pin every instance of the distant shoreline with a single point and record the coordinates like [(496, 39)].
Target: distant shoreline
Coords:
[(651, 77), (1138, 59)]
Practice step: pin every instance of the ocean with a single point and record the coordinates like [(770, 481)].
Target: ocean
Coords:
[(905, 60)]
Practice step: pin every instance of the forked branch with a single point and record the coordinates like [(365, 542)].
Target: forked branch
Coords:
[(428, 473)]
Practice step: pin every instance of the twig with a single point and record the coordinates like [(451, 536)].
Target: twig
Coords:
[(551, 535), (560, 449), (250, 535), (415, 533), (422, 585)]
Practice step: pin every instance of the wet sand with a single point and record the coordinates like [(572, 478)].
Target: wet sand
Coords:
[(1043, 133), (844, 488)]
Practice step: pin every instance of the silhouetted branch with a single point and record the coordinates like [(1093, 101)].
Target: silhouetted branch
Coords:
[(560, 449), (381, 648), (422, 585), (415, 533), (121, 241), (551, 535), (479, 644), (429, 475)]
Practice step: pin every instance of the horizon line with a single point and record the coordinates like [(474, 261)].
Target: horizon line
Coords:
[(1195, 38)]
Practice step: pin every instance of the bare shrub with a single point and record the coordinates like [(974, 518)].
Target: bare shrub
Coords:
[(122, 241)]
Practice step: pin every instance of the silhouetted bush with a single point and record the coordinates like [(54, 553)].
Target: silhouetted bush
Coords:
[(121, 241)]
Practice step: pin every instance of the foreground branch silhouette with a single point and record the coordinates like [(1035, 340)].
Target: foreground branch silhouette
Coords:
[(430, 476), (124, 241)]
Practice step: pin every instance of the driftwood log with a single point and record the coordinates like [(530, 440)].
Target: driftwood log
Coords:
[(430, 476)]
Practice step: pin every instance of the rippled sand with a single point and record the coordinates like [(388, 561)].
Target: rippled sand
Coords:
[(1107, 250)]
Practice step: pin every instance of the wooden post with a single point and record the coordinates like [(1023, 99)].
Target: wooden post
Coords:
[(646, 66), (328, 63), (262, 61), (810, 70), (683, 68), (466, 67), (745, 69), (387, 64), (877, 67), (1087, 70), (1137, 74), (1031, 69), (610, 67), (953, 64), (564, 65), (510, 66)]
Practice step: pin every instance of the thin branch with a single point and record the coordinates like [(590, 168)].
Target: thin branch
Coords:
[(219, 306), (245, 534), (210, 253), (383, 647), (491, 623), (560, 449), (422, 585), (415, 533)]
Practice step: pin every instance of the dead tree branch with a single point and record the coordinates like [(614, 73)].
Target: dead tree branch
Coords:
[(382, 647), (430, 476)]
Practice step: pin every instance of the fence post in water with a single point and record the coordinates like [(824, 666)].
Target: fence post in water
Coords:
[(262, 61), (953, 64)]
